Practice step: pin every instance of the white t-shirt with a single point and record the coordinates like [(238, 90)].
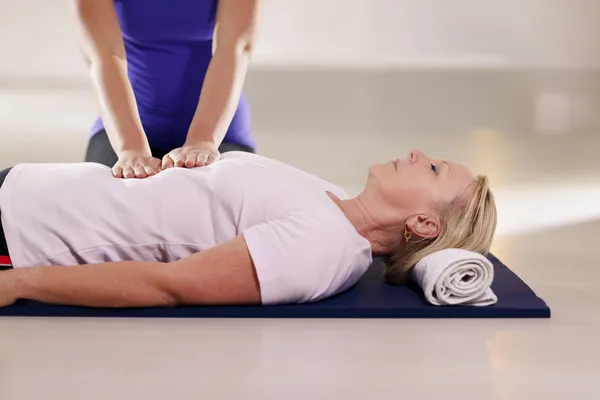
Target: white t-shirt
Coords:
[(303, 247)]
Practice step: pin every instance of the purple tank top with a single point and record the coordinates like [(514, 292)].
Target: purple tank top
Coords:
[(169, 47)]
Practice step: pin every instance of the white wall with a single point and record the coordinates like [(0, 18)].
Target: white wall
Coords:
[(36, 36), (431, 32)]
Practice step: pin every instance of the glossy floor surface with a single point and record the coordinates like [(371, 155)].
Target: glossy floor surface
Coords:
[(535, 134)]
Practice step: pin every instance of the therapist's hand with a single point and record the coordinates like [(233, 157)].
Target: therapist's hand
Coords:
[(136, 165), (192, 155)]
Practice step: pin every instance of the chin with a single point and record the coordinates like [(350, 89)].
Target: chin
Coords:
[(373, 169), (377, 169)]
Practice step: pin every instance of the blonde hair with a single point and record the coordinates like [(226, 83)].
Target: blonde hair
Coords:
[(468, 225)]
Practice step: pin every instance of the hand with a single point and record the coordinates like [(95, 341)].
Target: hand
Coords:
[(7, 289), (136, 165), (190, 156)]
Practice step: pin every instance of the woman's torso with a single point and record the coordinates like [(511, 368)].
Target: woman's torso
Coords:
[(200, 207), (302, 244), (169, 48)]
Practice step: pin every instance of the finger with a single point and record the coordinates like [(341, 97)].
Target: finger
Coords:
[(140, 172), (150, 170), (178, 160), (190, 161), (202, 160), (117, 171), (212, 158), (128, 173), (167, 162)]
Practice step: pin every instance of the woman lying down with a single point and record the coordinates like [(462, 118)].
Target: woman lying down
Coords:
[(245, 230)]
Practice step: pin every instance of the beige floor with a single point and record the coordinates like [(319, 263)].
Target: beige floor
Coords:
[(542, 157)]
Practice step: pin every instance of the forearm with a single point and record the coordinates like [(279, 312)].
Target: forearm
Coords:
[(220, 96), (116, 284), (118, 106)]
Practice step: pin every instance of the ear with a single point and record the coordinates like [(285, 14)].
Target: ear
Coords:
[(424, 226)]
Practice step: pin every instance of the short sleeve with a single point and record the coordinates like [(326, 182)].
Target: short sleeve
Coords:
[(302, 257)]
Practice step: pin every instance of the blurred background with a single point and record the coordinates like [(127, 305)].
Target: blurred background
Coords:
[(509, 87)]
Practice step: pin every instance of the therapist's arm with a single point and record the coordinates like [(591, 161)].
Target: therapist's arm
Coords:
[(224, 274), (236, 32), (102, 46)]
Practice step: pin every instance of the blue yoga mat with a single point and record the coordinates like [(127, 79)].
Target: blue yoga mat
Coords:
[(370, 298)]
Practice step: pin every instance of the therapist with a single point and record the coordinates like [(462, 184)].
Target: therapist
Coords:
[(166, 99)]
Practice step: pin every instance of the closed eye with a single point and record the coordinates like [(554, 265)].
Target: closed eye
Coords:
[(434, 169)]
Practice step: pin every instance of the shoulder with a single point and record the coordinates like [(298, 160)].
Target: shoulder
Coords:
[(306, 256)]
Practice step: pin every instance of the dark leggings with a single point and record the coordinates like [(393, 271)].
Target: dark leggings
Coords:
[(3, 246), (100, 150)]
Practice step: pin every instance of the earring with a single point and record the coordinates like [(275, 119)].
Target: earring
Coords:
[(407, 235)]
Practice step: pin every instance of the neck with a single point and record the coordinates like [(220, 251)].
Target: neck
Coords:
[(382, 238)]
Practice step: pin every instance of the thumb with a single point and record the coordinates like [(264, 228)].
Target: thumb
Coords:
[(167, 162)]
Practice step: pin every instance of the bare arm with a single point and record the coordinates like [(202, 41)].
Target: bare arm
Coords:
[(235, 36), (222, 275), (102, 46)]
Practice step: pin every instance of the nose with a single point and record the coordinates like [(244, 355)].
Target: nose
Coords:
[(415, 156)]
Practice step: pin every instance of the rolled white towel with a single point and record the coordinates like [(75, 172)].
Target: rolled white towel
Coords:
[(456, 277)]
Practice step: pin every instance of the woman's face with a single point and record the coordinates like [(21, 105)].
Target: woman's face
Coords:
[(415, 189)]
